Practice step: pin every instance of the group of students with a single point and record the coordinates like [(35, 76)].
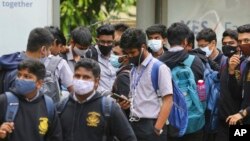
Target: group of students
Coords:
[(121, 62)]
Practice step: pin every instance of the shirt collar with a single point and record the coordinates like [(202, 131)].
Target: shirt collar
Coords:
[(34, 98), (88, 98), (70, 54), (147, 60), (175, 49)]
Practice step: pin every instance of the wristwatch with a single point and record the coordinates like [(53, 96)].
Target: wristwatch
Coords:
[(241, 112), (158, 131)]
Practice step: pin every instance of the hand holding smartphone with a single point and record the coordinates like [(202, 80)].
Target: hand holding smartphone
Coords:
[(119, 97)]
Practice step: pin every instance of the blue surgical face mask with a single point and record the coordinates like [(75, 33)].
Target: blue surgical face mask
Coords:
[(114, 60), (207, 50), (24, 87), (155, 45)]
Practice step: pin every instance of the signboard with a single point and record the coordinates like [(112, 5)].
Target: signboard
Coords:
[(18, 18), (216, 14)]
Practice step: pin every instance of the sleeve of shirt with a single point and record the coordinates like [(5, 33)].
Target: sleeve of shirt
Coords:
[(3, 106), (165, 81), (197, 68), (123, 84), (65, 74), (120, 126), (55, 131)]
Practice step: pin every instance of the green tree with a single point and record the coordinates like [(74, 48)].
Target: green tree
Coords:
[(90, 13)]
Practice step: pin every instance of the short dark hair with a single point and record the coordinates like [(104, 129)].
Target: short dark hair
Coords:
[(132, 38), (39, 37), (157, 29), (190, 38), (120, 27), (106, 29), (206, 34), (58, 35), (177, 33), (82, 36), (231, 33), (90, 65), (244, 28), (33, 66)]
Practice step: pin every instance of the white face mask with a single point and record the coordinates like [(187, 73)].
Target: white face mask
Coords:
[(155, 45), (80, 52), (43, 59), (207, 50), (83, 87)]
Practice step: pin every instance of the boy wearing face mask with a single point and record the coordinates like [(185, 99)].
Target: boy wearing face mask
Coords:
[(241, 89), (178, 34), (157, 39), (207, 41), (121, 85), (39, 42), (38, 47), (32, 121), (80, 42), (227, 104), (83, 118), (101, 53), (147, 115)]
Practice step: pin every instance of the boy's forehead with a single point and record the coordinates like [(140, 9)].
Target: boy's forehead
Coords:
[(26, 71), (83, 71)]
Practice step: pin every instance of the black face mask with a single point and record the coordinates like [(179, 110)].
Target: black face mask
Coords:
[(137, 59), (228, 50), (105, 50)]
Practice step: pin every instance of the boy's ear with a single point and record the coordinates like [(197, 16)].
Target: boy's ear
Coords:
[(39, 83)]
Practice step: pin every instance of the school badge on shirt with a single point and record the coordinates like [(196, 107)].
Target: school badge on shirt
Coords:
[(43, 125), (93, 119)]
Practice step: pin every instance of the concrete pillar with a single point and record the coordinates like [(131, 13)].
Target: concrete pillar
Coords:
[(145, 13), (56, 13)]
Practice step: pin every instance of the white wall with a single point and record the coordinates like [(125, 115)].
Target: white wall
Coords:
[(18, 18)]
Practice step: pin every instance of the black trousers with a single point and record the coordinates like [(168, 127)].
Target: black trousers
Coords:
[(223, 131), (144, 130), (196, 136)]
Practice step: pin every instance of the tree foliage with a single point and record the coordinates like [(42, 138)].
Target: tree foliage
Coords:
[(90, 13)]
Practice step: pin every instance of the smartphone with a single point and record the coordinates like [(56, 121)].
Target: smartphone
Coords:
[(118, 97)]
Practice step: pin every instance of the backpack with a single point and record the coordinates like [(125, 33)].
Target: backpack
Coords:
[(8, 69), (106, 111), (178, 117), (13, 105), (212, 84), (92, 53), (184, 78), (51, 86)]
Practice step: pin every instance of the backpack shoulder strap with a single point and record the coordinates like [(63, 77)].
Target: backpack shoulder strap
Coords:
[(106, 106), (53, 63), (61, 105), (155, 74), (106, 110), (50, 107), (189, 61), (12, 106), (92, 53)]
